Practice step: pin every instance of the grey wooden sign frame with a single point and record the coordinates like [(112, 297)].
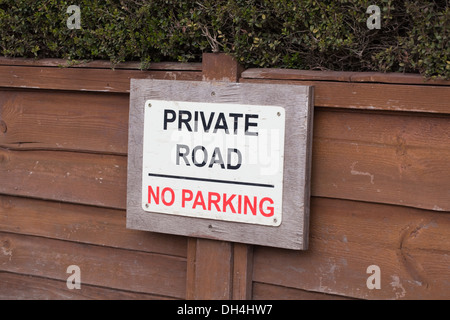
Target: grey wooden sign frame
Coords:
[(298, 104)]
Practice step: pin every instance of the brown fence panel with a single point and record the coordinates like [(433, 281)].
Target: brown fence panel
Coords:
[(65, 121), (82, 224), (380, 190), (100, 266), (409, 245), (63, 168), (380, 157)]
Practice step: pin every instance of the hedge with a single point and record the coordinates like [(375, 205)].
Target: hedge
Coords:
[(308, 34)]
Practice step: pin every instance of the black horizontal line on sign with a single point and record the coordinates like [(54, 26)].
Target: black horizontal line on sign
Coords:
[(212, 180)]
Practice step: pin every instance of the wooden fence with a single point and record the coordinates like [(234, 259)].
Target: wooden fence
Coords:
[(380, 191)]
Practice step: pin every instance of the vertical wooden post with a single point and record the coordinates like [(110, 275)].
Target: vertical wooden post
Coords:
[(242, 271), (218, 269)]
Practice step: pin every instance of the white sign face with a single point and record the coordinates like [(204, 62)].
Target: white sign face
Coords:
[(214, 161)]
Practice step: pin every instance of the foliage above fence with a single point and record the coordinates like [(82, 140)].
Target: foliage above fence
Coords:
[(308, 34)]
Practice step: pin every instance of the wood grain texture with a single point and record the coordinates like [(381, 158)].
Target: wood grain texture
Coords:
[(81, 79), (24, 287), (382, 157), (374, 96), (83, 224), (220, 67), (191, 286), (379, 139), (100, 266), (341, 76), (411, 247), (264, 291), (212, 275), (98, 64), (242, 271), (71, 121), (293, 231), (83, 178)]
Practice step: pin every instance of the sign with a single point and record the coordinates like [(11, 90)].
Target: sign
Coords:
[(220, 160), (215, 161)]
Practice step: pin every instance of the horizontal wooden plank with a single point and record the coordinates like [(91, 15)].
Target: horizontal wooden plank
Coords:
[(79, 121), (99, 266), (99, 64), (382, 157), (409, 245), (83, 79), (400, 78), (84, 224), (264, 291), (83, 178), (25, 287), (345, 76), (375, 96)]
